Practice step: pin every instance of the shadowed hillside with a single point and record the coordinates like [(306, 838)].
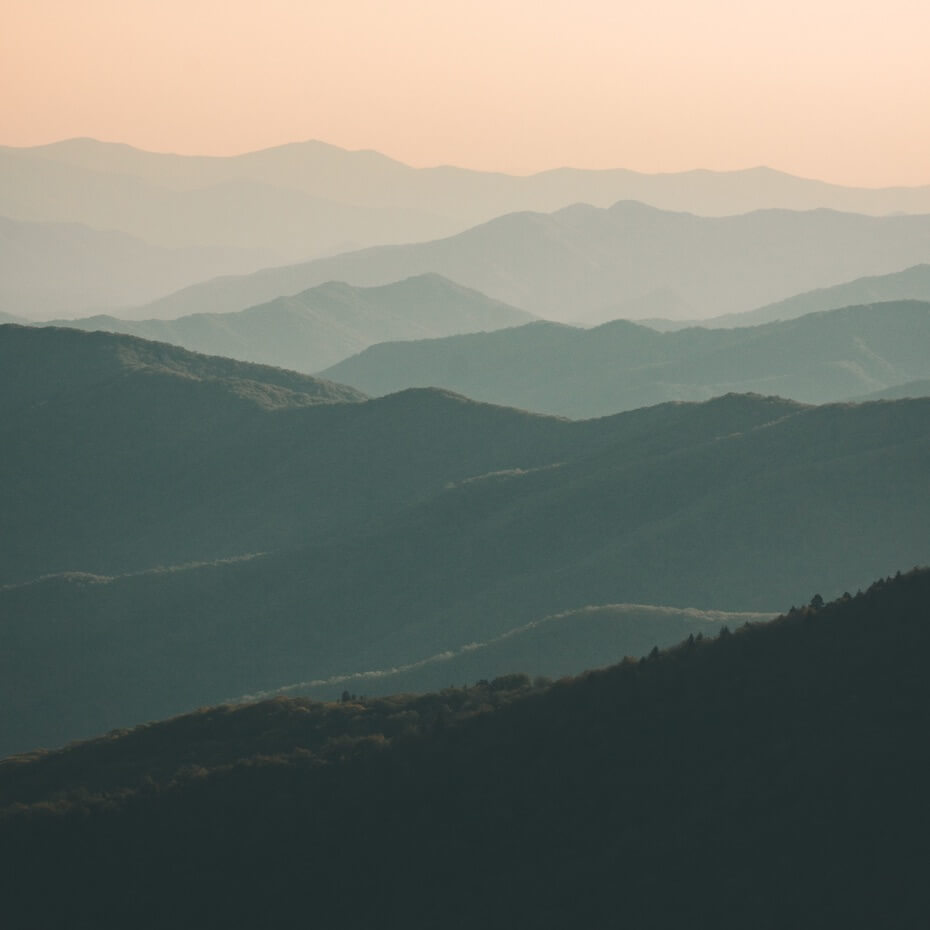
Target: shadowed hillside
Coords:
[(773, 776), (330, 539), (123, 455)]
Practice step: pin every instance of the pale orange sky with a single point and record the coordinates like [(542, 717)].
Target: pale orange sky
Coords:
[(835, 89)]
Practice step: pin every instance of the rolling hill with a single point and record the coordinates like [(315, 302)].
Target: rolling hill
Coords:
[(122, 454), (180, 530), (324, 324), (772, 776), (550, 368), (575, 264)]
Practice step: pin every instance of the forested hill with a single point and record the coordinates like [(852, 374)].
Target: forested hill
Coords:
[(122, 454), (289, 545), (51, 364), (774, 776)]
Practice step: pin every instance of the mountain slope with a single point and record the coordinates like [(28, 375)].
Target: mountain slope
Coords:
[(580, 261), (762, 776), (620, 366), (429, 522), (121, 455), (325, 324)]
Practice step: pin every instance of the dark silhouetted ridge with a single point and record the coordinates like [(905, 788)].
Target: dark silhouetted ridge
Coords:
[(774, 775)]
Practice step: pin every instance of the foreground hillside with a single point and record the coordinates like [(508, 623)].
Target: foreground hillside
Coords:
[(557, 369), (774, 776), (172, 540), (579, 263), (325, 324)]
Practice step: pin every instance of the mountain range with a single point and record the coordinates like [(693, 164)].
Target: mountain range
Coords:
[(179, 530), (579, 263), (324, 324), (771, 776), (224, 206), (428, 547), (373, 180), (113, 214), (557, 369)]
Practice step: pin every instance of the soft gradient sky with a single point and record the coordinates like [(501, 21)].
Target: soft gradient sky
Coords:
[(835, 89)]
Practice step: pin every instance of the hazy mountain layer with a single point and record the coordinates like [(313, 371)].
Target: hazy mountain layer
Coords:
[(401, 528), (761, 775), (557, 369), (910, 284), (325, 324), (67, 268), (223, 209), (366, 177), (579, 263)]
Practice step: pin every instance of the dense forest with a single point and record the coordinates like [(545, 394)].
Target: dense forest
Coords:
[(772, 776)]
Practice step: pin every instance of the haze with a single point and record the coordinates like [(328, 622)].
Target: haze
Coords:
[(832, 90)]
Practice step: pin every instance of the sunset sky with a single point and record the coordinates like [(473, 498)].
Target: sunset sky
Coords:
[(834, 89)]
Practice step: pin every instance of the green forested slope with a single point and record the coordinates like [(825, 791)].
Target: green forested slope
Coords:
[(422, 522), (122, 455)]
